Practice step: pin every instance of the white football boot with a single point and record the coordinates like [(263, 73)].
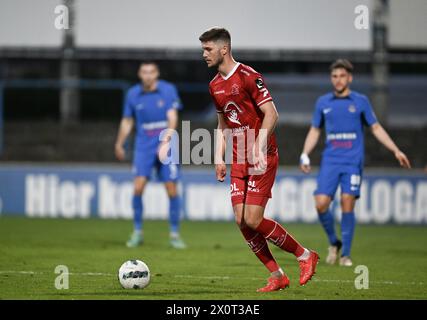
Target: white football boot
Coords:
[(346, 262), (333, 252)]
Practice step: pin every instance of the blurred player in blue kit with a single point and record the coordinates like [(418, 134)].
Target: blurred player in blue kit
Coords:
[(343, 113), (152, 106)]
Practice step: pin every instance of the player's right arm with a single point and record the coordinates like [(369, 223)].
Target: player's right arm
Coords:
[(220, 167), (125, 128), (310, 143), (312, 138)]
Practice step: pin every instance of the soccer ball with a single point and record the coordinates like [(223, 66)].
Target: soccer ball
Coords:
[(134, 274)]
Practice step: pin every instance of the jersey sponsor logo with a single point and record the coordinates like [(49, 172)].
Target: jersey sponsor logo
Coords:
[(154, 125), (219, 92), (160, 103), (235, 191), (352, 108), (252, 186), (327, 110), (259, 83), (342, 136), (233, 187), (239, 131), (232, 111)]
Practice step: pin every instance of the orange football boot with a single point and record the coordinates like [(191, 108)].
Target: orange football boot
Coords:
[(275, 284), (308, 267)]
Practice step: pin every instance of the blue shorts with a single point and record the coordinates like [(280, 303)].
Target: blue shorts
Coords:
[(145, 162), (349, 177)]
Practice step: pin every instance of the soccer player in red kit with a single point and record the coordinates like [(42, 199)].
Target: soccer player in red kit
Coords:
[(246, 109)]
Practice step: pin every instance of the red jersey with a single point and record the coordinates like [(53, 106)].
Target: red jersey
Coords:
[(238, 97)]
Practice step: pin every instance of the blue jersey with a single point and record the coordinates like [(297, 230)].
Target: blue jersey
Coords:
[(149, 110), (343, 119)]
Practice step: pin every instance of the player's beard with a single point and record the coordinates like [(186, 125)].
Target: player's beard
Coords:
[(217, 63), (150, 85), (344, 88)]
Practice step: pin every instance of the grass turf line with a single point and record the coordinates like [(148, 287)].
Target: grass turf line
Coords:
[(217, 265)]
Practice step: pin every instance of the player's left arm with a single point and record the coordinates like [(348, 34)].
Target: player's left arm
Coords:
[(172, 113), (267, 127), (268, 123), (221, 141), (254, 85), (172, 119), (379, 132), (382, 136), (167, 134)]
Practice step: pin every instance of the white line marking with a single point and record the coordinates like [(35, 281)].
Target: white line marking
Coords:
[(314, 279), (397, 283), (69, 273), (19, 272)]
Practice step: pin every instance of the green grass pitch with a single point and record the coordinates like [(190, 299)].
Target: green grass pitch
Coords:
[(217, 265)]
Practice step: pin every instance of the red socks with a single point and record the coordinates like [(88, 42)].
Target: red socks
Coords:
[(259, 246), (272, 231), (276, 234)]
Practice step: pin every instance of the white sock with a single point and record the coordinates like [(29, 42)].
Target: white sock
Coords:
[(277, 274), (174, 235), (304, 256)]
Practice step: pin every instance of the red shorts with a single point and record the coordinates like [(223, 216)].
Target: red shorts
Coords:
[(254, 189)]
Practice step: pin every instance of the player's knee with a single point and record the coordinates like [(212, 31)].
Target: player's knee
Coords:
[(347, 203), (322, 206), (172, 193), (239, 221), (252, 221), (171, 190), (138, 187), (137, 191), (238, 215)]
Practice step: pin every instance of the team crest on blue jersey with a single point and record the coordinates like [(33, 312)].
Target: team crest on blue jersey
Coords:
[(161, 103), (352, 108)]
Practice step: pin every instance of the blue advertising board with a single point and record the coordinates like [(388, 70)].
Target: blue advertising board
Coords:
[(105, 191)]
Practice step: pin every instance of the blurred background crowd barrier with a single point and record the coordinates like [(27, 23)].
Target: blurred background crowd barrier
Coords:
[(66, 65)]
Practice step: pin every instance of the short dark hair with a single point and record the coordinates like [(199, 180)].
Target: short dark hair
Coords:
[(154, 63), (342, 63), (215, 34)]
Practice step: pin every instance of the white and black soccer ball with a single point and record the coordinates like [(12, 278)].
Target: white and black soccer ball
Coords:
[(134, 274)]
